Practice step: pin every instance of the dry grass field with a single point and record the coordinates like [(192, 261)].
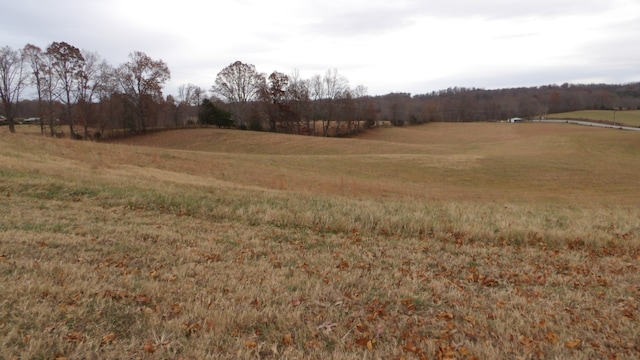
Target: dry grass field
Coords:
[(626, 117), (444, 241)]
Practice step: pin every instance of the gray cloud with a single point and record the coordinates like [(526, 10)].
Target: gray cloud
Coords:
[(364, 21), (406, 45), (497, 9)]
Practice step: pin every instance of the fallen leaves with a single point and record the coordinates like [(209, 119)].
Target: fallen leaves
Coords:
[(366, 342), (370, 344), (445, 315), (108, 339), (148, 347), (484, 280), (410, 347), (287, 340), (312, 344), (470, 319), (74, 336), (175, 309), (212, 257), (191, 328), (49, 328), (250, 344), (342, 265), (476, 299), (551, 337), (409, 304), (376, 309), (573, 344), (154, 274), (445, 352), (143, 298)]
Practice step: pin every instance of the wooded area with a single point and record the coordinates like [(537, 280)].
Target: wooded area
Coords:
[(78, 89)]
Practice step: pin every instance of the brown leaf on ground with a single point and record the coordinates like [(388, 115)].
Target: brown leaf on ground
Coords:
[(312, 344), (108, 339), (342, 265), (142, 298), (191, 328), (446, 315), (363, 341), (148, 347), (572, 344), (445, 353), (74, 336), (371, 344), (287, 340), (176, 309)]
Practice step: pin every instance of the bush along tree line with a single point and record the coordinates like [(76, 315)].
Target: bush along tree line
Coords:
[(78, 92)]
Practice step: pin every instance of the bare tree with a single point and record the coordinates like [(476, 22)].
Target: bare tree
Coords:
[(335, 88), (346, 112), (12, 82), (298, 95), (107, 87), (317, 95), (89, 84), (239, 84), (274, 96), (359, 94), (397, 108), (35, 58), (189, 97), (67, 65), (141, 80), (49, 88)]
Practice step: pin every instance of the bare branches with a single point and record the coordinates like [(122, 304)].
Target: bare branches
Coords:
[(141, 80), (12, 82), (67, 65), (238, 84), (189, 97)]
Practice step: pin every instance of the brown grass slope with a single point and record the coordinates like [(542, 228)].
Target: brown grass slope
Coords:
[(443, 241), (626, 117), (441, 161)]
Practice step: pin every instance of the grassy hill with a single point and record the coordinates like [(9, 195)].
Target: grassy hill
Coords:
[(478, 161), (627, 117), (446, 240)]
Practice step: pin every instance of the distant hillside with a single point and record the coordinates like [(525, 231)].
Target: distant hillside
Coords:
[(628, 117), (471, 104)]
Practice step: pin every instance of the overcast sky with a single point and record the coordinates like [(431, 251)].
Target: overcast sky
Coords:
[(414, 46)]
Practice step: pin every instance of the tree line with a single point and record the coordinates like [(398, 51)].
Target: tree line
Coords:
[(80, 90), (322, 105), (470, 104)]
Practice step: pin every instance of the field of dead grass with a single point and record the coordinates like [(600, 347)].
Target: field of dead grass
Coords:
[(626, 117), (450, 241)]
